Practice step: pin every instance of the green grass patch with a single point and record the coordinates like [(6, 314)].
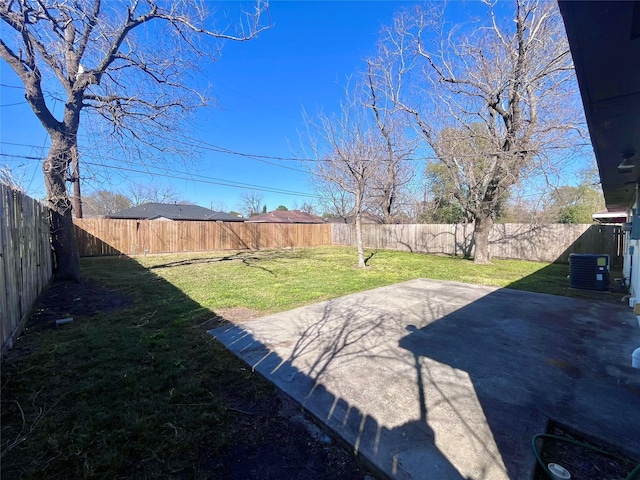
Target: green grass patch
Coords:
[(270, 281), (135, 389)]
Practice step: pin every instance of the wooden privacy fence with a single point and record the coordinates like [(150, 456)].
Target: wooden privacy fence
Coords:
[(25, 259), (548, 243), (103, 236), (545, 243)]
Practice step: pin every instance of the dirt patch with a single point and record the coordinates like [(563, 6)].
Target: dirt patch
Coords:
[(239, 314), (63, 300), (226, 316), (69, 299)]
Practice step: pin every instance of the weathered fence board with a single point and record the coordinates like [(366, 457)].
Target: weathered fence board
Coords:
[(103, 236), (25, 259), (546, 243)]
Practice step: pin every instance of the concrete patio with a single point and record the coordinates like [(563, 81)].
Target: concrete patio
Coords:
[(441, 380)]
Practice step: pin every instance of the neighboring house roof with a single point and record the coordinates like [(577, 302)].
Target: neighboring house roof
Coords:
[(611, 215), (289, 216), (173, 211)]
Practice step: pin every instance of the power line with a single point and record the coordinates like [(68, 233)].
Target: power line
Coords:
[(27, 157), (226, 183), (13, 104), (168, 172), (218, 149), (208, 147), (11, 86), (190, 177), (19, 144)]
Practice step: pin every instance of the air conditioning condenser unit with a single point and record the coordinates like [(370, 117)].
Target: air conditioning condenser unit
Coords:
[(589, 271)]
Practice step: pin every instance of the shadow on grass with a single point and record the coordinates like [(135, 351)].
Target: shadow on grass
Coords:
[(133, 388), (370, 256), (202, 260), (248, 258), (108, 393)]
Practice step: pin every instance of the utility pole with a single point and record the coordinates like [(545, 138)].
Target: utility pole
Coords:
[(75, 179)]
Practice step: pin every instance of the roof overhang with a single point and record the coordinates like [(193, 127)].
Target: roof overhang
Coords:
[(604, 37), (606, 216)]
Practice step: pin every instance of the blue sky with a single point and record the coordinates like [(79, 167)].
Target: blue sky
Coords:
[(262, 86)]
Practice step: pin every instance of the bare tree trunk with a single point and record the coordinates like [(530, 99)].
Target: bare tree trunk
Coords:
[(388, 193), (63, 239), (359, 242), (483, 224), (67, 260)]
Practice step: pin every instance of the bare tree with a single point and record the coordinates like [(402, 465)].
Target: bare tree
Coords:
[(347, 151), (129, 64), (394, 171), (306, 206), (104, 202), (251, 203), (506, 88), (152, 193), (8, 178), (463, 192), (333, 200)]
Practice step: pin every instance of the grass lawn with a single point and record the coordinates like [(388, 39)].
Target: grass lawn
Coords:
[(270, 281), (135, 387)]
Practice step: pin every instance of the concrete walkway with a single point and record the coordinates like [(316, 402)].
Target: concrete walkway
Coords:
[(443, 380)]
